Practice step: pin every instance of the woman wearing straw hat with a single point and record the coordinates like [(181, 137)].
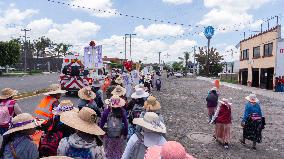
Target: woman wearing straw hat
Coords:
[(170, 150), (8, 108), (96, 88), (253, 121), (85, 143), (223, 120), (54, 130), (151, 135), (87, 99), (117, 127), (17, 142), (50, 101)]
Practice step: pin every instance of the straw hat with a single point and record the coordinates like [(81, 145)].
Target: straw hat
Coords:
[(139, 93), (119, 80), (23, 121), (115, 101), (86, 93), (7, 93), (57, 157), (152, 104), (225, 101), (54, 89), (151, 121), (84, 120), (170, 150), (64, 106), (252, 98), (120, 91)]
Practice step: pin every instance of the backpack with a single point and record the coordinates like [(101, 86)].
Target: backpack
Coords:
[(139, 148), (5, 113), (84, 153), (114, 126), (158, 82), (49, 142)]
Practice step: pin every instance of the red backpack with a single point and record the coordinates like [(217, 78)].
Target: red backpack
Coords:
[(49, 142)]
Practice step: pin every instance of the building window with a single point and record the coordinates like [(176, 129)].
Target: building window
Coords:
[(245, 54), (256, 52), (267, 48)]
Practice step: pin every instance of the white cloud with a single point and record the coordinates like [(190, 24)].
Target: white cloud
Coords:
[(177, 2), (230, 53), (13, 15), (104, 5), (231, 14), (142, 48), (159, 30)]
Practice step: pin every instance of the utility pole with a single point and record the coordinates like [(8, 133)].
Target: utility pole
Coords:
[(159, 57), (25, 46), (125, 36), (130, 51), (194, 60)]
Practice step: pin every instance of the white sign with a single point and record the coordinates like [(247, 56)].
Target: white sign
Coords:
[(135, 77), (280, 59), (93, 57)]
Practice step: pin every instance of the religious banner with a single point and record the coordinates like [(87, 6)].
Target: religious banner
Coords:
[(135, 77), (93, 57), (127, 84)]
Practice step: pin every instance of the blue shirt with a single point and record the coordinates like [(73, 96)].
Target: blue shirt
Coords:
[(251, 108)]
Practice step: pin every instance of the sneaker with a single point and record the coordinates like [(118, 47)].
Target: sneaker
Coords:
[(226, 146)]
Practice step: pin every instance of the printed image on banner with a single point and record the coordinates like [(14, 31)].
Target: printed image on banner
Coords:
[(99, 57), (89, 57), (135, 77)]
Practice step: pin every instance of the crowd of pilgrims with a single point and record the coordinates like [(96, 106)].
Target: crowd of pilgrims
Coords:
[(119, 127)]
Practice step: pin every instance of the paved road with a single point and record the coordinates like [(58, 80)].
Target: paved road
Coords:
[(29, 83)]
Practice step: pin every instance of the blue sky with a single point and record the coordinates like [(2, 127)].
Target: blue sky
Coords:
[(78, 26)]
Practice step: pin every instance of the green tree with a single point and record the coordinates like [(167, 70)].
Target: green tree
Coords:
[(214, 60), (177, 66), (40, 45), (9, 53)]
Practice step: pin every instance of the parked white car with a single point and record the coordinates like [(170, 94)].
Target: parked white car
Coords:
[(178, 74)]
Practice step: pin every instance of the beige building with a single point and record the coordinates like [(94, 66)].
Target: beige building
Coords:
[(258, 58)]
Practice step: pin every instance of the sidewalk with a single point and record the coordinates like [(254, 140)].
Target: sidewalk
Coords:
[(257, 91)]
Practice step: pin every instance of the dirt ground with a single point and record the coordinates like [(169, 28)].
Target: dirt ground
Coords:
[(184, 110)]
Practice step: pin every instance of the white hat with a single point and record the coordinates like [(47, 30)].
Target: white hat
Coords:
[(214, 89), (139, 93), (151, 121), (252, 98), (115, 101), (225, 101), (139, 86), (64, 106)]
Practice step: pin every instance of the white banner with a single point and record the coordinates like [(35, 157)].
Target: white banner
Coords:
[(93, 57), (135, 77), (280, 59)]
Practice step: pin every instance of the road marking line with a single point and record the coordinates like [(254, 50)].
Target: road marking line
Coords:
[(29, 96)]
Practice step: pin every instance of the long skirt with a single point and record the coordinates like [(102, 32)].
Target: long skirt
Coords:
[(252, 130), (114, 147), (223, 132)]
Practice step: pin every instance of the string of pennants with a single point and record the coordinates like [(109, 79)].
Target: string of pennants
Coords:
[(156, 20)]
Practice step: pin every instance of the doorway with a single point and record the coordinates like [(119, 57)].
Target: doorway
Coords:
[(255, 77), (244, 78), (266, 78)]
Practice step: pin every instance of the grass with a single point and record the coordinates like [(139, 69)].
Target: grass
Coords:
[(21, 73), (230, 81), (28, 94)]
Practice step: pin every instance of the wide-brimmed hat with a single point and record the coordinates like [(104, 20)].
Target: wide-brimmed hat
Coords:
[(140, 86), (225, 101), (151, 104), (119, 80), (7, 93), (139, 93), (115, 101), (151, 121), (86, 93), (252, 98), (54, 89), (96, 83), (64, 106), (84, 120), (170, 150), (214, 89), (23, 121), (118, 90)]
